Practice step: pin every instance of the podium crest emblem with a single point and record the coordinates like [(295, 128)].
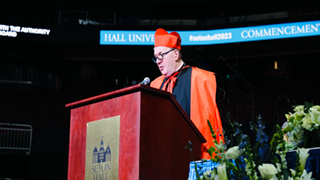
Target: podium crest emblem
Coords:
[(102, 149)]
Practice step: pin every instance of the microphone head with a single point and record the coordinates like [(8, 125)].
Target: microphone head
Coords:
[(146, 81)]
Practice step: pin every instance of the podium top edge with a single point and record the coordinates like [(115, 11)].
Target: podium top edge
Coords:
[(120, 92)]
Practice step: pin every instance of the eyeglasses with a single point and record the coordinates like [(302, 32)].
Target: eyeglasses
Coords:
[(160, 56)]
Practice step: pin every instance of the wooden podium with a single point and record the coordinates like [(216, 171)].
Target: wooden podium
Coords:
[(150, 133)]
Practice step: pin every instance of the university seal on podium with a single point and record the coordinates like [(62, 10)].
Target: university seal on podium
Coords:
[(102, 149)]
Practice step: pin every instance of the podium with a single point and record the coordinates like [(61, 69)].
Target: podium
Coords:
[(134, 133)]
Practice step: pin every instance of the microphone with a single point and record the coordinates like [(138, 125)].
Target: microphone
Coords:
[(146, 81)]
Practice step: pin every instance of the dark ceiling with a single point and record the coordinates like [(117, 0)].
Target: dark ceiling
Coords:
[(178, 9), (80, 42)]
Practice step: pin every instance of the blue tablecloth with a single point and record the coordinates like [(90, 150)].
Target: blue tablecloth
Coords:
[(312, 164), (202, 167)]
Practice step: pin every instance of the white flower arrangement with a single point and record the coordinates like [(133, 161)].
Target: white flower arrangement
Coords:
[(268, 171), (233, 153), (302, 127)]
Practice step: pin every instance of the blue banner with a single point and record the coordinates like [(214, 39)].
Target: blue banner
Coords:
[(220, 36)]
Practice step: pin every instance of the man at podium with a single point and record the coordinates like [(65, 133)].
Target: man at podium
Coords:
[(193, 88)]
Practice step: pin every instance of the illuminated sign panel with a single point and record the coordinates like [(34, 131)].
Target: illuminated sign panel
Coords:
[(220, 36), (126, 37)]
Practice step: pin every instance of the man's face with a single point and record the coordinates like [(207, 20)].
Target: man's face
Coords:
[(167, 65)]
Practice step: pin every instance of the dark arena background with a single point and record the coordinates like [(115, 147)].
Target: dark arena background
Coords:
[(40, 73)]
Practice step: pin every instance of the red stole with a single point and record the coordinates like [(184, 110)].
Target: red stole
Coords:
[(170, 82)]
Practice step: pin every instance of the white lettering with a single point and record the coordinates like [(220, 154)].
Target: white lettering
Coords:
[(8, 33), (114, 37), (300, 30), (293, 29), (141, 37), (252, 32), (280, 30), (245, 31), (25, 30), (315, 28), (35, 30), (208, 37), (267, 33), (308, 28), (4, 27), (122, 38), (285, 30), (11, 31), (258, 34), (274, 31), (106, 37), (131, 39), (15, 28), (148, 37), (138, 37)]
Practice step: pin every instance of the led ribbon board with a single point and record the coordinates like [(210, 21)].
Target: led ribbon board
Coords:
[(219, 36)]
